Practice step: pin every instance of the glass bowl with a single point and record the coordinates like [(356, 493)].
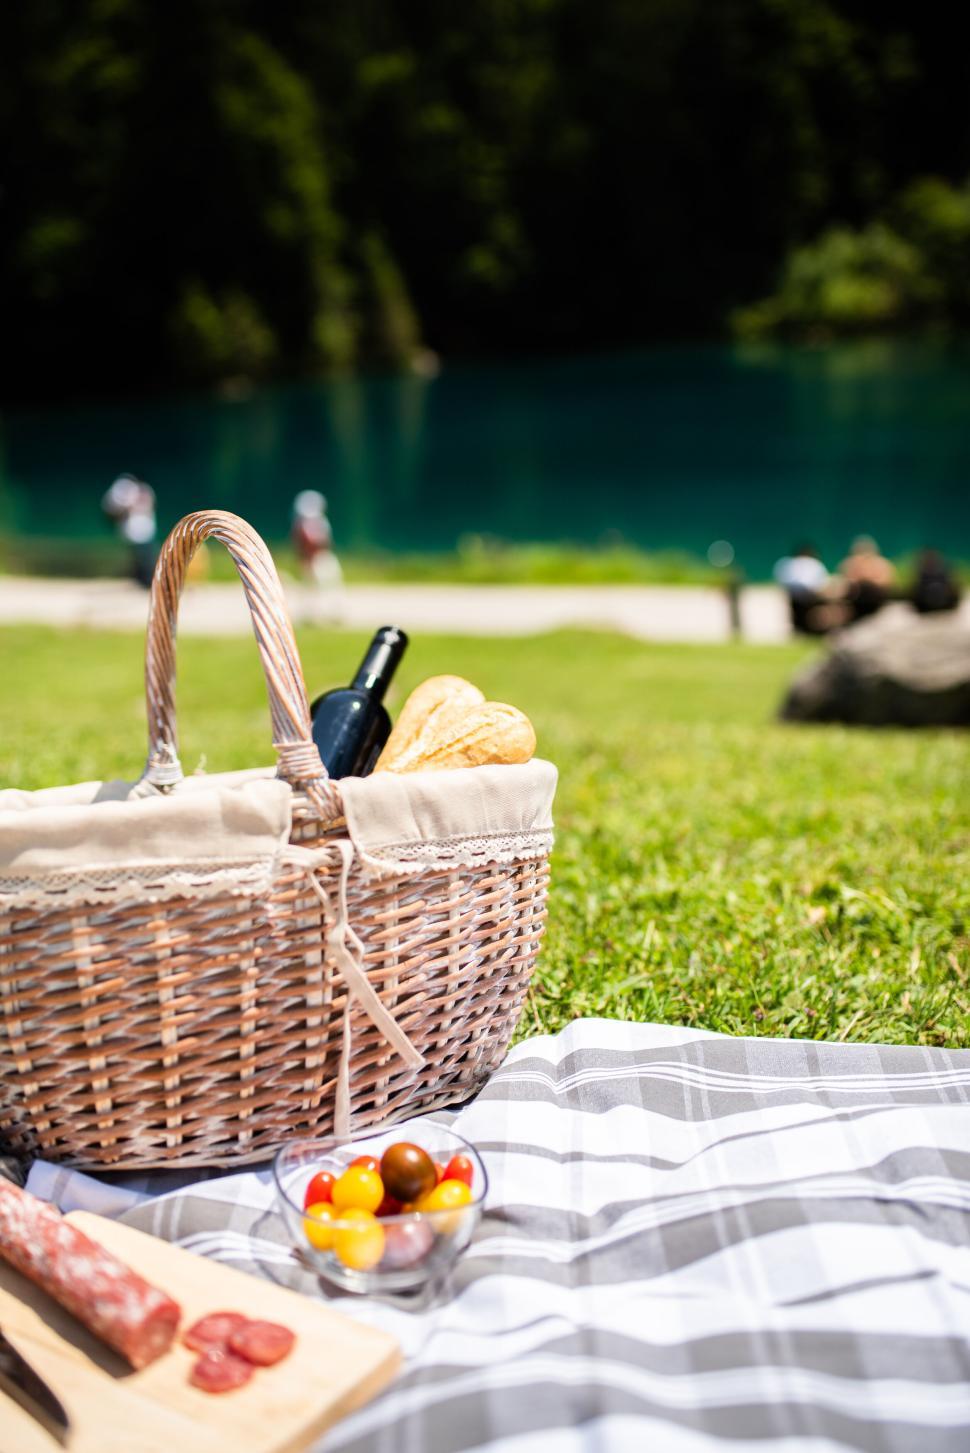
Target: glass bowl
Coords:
[(418, 1246)]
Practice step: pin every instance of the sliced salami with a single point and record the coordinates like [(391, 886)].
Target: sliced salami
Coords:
[(262, 1342), (220, 1371), (125, 1311), (213, 1331)]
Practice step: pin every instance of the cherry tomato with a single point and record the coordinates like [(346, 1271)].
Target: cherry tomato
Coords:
[(407, 1171), (358, 1188), (449, 1196), (389, 1206), (369, 1162), (319, 1189), (406, 1243), (359, 1239), (446, 1197), (317, 1225), (460, 1168), (439, 1171)]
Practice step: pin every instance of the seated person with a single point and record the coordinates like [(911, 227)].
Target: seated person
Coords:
[(868, 577), (803, 576), (935, 587)]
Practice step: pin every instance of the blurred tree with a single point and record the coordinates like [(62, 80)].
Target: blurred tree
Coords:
[(215, 338), (877, 277), (212, 187), (936, 219)]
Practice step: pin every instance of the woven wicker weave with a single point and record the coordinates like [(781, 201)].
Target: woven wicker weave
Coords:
[(203, 1031)]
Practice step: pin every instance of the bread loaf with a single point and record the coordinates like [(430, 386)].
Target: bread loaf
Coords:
[(431, 704), (476, 736)]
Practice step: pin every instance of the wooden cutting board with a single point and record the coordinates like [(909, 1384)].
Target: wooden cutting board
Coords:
[(336, 1365)]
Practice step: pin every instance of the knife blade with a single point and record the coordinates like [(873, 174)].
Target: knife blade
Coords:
[(29, 1389)]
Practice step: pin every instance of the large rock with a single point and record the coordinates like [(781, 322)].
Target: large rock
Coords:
[(894, 669)]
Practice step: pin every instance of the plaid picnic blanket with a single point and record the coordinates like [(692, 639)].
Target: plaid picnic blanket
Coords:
[(693, 1244)]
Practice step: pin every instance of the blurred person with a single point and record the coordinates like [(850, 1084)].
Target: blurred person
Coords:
[(721, 554), (868, 578), (130, 503), (806, 582), (312, 540), (935, 587)]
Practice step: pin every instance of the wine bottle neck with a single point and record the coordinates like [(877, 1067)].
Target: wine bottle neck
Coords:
[(379, 664)]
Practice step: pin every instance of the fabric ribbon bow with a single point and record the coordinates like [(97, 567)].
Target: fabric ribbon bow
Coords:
[(346, 951)]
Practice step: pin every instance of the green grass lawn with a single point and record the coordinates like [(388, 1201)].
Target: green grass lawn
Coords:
[(475, 560), (712, 867)]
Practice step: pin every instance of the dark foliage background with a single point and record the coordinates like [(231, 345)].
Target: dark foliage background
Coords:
[(195, 189)]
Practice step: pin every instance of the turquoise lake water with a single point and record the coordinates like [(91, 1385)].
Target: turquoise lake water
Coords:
[(667, 447)]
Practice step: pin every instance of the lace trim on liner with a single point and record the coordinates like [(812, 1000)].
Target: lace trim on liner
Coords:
[(137, 883), (473, 851), (161, 882)]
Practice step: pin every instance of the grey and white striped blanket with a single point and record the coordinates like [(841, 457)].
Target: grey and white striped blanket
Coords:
[(693, 1244)]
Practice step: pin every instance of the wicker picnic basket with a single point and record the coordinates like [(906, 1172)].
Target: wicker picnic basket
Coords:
[(188, 1007)]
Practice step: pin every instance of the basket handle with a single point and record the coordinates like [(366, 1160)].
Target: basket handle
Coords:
[(298, 759)]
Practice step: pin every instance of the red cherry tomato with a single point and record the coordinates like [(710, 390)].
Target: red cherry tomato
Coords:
[(439, 1171), (319, 1189), (390, 1206), (460, 1168), (369, 1162)]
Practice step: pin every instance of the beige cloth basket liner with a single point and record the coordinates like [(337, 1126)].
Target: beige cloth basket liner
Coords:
[(109, 837)]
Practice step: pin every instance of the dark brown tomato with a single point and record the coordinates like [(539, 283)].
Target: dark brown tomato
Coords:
[(407, 1171), (213, 1331), (219, 1371), (405, 1244), (262, 1342)]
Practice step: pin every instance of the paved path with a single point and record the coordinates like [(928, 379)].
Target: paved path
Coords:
[(656, 613)]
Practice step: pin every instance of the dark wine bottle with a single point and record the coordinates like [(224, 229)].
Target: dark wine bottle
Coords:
[(350, 723)]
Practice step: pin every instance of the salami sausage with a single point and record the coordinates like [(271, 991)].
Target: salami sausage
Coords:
[(220, 1371), (213, 1331), (261, 1342), (135, 1318)]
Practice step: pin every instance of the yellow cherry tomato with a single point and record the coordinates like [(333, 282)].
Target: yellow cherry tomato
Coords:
[(446, 1196), (359, 1239), (319, 1231), (359, 1189)]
